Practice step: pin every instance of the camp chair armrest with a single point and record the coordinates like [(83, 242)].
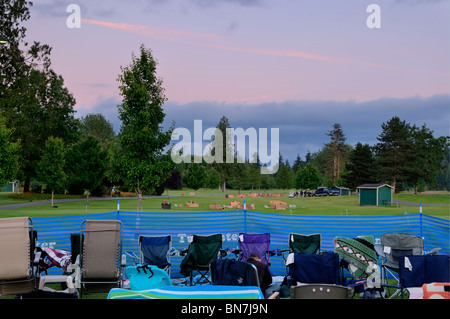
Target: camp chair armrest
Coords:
[(434, 251), (236, 251), (272, 252), (223, 253), (184, 252), (279, 252)]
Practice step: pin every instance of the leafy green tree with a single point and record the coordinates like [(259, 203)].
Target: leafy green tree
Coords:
[(97, 126), (195, 176), (212, 178), (307, 177), (141, 163), (443, 178), (361, 167), (8, 155), (85, 166), (33, 98), (429, 152), (50, 168)]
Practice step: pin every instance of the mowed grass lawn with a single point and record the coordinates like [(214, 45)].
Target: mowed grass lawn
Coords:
[(331, 206), (327, 206)]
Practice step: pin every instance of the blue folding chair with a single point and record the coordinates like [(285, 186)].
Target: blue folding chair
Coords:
[(155, 250), (314, 268), (414, 271), (311, 273)]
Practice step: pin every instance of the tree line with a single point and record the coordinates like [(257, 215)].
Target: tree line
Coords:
[(47, 148), (406, 157)]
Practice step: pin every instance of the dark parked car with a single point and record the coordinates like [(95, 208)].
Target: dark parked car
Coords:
[(322, 191), (334, 192)]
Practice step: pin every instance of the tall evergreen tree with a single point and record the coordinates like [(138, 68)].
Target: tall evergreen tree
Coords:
[(222, 166), (394, 152), (283, 178), (337, 149), (361, 167), (298, 163)]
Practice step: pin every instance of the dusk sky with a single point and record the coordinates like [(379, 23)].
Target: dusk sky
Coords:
[(299, 66)]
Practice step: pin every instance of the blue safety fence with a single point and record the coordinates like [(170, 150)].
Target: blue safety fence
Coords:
[(55, 231)]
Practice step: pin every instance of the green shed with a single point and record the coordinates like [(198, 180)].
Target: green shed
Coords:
[(12, 186), (375, 194)]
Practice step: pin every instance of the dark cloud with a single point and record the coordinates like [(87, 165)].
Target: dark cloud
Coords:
[(303, 124)]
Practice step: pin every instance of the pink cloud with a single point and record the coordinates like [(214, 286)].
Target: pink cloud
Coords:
[(210, 40), (153, 32)]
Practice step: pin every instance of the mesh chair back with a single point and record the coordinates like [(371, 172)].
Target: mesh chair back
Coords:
[(15, 248), (307, 244), (254, 243), (396, 245), (206, 248), (155, 250), (101, 249)]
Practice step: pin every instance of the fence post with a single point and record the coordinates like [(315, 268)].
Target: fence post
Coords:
[(420, 220), (245, 218)]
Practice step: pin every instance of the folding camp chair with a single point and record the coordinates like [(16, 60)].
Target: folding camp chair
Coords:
[(306, 244), (155, 250), (100, 262), (201, 251), (415, 271), (321, 270), (359, 258), (392, 247), (313, 268), (17, 243), (254, 243)]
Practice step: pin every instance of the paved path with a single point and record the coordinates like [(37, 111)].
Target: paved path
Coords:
[(417, 204), (48, 202)]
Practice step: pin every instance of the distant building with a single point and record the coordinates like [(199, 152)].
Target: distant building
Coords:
[(11, 187), (343, 191), (375, 194)]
